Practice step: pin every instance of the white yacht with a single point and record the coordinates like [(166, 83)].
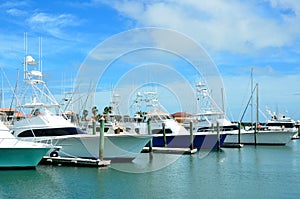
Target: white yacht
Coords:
[(177, 136), (44, 120), (16, 154), (278, 130), (280, 122), (275, 132)]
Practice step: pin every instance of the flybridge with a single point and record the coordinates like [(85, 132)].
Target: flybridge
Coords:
[(32, 68), (33, 76), (35, 94)]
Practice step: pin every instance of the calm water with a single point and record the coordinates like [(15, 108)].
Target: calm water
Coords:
[(261, 172)]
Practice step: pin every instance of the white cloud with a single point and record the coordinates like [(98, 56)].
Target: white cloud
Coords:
[(16, 12), (232, 26), (52, 24), (10, 4)]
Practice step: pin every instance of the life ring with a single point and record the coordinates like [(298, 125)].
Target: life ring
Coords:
[(54, 154)]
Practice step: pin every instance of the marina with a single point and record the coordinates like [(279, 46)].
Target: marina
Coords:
[(248, 172), (149, 99), (200, 152)]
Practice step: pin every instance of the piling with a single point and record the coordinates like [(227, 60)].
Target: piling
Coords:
[(101, 141), (239, 133), (218, 136), (149, 133), (94, 127), (164, 134), (191, 136), (255, 132)]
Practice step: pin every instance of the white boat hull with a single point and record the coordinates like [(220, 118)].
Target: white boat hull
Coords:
[(16, 154), (17, 158), (116, 147), (262, 137)]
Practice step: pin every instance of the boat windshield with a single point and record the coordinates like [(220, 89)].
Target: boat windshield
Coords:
[(51, 132), (281, 124), (222, 128)]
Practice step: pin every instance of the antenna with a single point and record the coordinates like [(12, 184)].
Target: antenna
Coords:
[(2, 92), (40, 53), (25, 51)]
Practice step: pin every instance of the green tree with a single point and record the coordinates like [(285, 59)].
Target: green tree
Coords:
[(84, 115), (95, 111), (107, 110)]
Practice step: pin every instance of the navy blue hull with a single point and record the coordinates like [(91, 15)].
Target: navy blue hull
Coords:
[(208, 141)]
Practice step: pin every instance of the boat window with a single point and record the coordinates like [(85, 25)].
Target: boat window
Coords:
[(160, 131), (222, 128), (286, 125), (51, 132)]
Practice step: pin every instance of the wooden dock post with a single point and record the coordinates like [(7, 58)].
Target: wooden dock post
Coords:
[(239, 135), (212, 128), (94, 127), (164, 134), (149, 133), (191, 136), (101, 141), (218, 136), (256, 124)]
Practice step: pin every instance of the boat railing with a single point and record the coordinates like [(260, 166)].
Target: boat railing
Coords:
[(42, 140), (14, 142)]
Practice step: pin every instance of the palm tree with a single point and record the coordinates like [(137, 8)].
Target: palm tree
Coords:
[(95, 111), (84, 115), (107, 110)]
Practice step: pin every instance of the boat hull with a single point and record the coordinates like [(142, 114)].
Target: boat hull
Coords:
[(116, 147), (200, 141), (21, 158), (262, 138)]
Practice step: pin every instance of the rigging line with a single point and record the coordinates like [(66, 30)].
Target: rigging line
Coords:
[(15, 95), (83, 106), (249, 101), (15, 91), (71, 99), (244, 99)]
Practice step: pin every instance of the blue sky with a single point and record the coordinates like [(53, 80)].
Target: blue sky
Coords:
[(238, 35)]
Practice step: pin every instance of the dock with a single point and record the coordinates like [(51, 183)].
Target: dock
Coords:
[(65, 161), (169, 150)]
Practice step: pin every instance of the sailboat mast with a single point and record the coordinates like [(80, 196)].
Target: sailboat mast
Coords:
[(257, 103), (251, 97), (256, 125)]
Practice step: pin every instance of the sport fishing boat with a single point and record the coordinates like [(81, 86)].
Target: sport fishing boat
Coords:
[(161, 122), (73, 141), (278, 130), (16, 154), (44, 120), (280, 122)]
